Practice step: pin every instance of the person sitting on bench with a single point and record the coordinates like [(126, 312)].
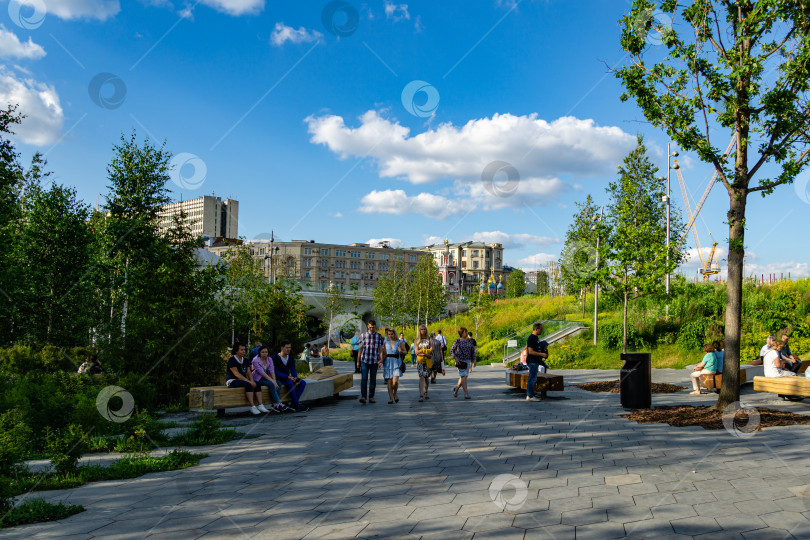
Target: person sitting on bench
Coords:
[(708, 366), (776, 366), (240, 375), (792, 363), (720, 353), (285, 374)]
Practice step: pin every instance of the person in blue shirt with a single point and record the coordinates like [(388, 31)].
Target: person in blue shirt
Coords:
[(355, 345), (792, 363), (720, 353), (708, 366)]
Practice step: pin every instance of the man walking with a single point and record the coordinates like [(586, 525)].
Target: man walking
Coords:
[(370, 355), (537, 353)]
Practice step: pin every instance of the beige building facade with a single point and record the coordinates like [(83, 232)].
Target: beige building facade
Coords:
[(476, 262), (206, 215), (317, 265)]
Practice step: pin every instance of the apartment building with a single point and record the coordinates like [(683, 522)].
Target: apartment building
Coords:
[(317, 265), (206, 215)]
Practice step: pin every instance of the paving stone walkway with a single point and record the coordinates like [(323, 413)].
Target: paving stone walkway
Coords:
[(494, 466)]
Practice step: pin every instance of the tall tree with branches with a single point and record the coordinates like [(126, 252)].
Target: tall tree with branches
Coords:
[(738, 70)]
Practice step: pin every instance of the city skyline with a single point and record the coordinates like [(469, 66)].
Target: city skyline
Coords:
[(407, 123)]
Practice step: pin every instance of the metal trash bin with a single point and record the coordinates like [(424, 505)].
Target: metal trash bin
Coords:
[(635, 381)]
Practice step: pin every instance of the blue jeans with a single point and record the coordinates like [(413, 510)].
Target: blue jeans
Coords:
[(532, 382), (271, 388), (367, 386)]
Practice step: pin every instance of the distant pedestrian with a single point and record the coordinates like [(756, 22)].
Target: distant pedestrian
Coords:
[(91, 366), (536, 353), (463, 353), (438, 357), (413, 353), (371, 354), (355, 346), (327, 360), (238, 374), (394, 352), (424, 361), (475, 349)]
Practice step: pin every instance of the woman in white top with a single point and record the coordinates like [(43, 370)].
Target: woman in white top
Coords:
[(773, 363)]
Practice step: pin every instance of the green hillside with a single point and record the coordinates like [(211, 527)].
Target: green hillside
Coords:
[(696, 315)]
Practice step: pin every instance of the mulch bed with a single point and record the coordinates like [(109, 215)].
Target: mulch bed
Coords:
[(613, 387), (745, 420)]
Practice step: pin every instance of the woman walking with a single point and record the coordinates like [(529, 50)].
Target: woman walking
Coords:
[(394, 352), (424, 361), (463, 353)]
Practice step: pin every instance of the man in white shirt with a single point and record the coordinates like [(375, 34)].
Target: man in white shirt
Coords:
[(766, 347)]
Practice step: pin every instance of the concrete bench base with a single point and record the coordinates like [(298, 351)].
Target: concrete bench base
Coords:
[(221, 397), (786, 386)]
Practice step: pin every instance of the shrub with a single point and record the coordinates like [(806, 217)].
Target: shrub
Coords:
[(611, 334), (143, 433), (64, 447), (205, 430), (14, 436), (692, 335), (37, 511)]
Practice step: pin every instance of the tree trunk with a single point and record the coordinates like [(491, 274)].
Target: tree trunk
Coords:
[(730, 391), (624, 324), (738, 191)]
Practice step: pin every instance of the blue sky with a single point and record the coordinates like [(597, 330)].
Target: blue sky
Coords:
[(319, 132)]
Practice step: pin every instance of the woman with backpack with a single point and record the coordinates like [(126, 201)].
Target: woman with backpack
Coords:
[(463, 353)]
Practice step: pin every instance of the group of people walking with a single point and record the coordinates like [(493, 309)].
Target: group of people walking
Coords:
[(372, 351)]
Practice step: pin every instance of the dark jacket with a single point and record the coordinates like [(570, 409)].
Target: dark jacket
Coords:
[(284, 372)]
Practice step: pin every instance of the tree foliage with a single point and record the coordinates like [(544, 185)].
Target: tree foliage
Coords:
[(515, 284), (636, 252), (733, 70)]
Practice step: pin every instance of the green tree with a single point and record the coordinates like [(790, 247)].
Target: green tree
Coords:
[(335, 305), (426, 295), (516, 284), (636, 218), (543, 288), (10, 185), (481, 305), (391, 295), (53, 253), (578, 257), (738, 70)]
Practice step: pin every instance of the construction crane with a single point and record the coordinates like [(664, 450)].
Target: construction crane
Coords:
[(708, 267)]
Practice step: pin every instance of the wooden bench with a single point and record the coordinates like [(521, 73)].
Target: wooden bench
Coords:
[(545, 381), (715, 381), (219, 398), (786, 386)]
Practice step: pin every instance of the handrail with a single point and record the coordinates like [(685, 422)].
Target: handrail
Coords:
[(546, 323)]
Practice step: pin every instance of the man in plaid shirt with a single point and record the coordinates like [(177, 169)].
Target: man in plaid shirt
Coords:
[(371, 354)]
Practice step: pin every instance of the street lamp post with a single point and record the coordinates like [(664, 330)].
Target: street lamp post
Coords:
[(670, 166), (596, 283)]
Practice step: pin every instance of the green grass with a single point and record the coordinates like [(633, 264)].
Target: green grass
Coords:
[(127, 467), (37, 511)]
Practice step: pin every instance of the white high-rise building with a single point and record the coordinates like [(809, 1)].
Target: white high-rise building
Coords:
[(206, 215)]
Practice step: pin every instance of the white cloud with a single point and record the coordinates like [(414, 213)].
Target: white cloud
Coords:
[(541, 152), (396, 12), (396, 201), (391, 242), (236, 7), (536, 260), (83, 9), (39, 102), (428, 240), (282, 34), (10, 46), (512, 241), (336, 214)]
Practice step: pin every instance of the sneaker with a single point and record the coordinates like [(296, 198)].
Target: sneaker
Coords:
[(362, 400), (254, 410), (529, 398), (286, 408), (276, 408), (302, 408), (263, 409), (535, 398)]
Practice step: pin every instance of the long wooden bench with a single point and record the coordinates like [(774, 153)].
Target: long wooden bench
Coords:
[(219, 398), (545, 381), (786, 386), (715, 381)]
